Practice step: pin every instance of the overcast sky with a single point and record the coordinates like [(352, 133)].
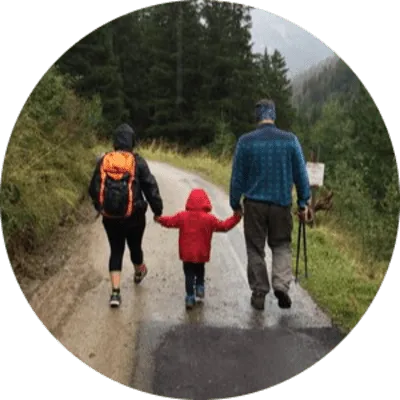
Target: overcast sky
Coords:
[(300, 49)]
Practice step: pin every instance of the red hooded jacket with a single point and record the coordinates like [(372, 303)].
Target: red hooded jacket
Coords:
[(196, 226)]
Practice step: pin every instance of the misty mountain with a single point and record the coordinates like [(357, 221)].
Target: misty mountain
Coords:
[(300, 49), (330, 79)]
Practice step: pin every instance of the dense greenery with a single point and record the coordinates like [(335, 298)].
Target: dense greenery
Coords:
[(330, 79), (48, 162), (184, 71), (346, 130)]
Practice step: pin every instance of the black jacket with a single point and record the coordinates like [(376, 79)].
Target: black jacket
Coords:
[(145, 185)]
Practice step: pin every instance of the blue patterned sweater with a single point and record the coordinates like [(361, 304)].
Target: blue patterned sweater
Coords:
[(267, 162)]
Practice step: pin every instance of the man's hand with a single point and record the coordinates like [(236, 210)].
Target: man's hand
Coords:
[(156, 219), (305, 214)]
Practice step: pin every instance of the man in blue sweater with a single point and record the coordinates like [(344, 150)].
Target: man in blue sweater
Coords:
[(267, 162)]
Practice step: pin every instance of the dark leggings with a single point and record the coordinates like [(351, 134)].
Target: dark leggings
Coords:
[(194, 274), (129, 231)]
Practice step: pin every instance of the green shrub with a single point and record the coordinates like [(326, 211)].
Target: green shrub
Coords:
[(48, 161), (224, 140)]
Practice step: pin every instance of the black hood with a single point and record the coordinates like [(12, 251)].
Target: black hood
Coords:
[(124, 138)]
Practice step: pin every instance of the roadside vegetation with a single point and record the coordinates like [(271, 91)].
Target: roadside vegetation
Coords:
[(48, 163)]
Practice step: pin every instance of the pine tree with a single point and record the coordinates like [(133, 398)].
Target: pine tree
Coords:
[(372, 142), (331, 80), (227, 92), (177, 70), (94, 69), (173, 33), (132, 55), (274, 84)]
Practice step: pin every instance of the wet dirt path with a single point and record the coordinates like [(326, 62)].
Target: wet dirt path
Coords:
[(222, 348)]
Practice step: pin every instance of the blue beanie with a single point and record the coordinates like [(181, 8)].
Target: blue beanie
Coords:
[(265, 110)]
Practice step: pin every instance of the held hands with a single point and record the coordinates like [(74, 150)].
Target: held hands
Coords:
[(238, 213)]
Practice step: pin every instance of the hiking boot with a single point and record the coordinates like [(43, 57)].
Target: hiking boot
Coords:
[(200, 291), (284, 300), (140, 273), (115, 299), (190, 301), (258, 300)]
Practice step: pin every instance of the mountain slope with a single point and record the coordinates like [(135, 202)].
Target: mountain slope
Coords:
[(315, 86)]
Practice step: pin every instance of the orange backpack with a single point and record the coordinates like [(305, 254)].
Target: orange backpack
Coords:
[(117, 175)]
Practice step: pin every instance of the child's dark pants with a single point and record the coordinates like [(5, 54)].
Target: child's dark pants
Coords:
[(194, 274)]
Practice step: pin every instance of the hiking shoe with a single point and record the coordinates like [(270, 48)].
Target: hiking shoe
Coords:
[(200, 291), (115, 299), (190, 301), (258, 300), (140, 273), (284, 300)]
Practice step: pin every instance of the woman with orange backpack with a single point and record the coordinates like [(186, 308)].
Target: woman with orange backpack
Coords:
[(120, 185)]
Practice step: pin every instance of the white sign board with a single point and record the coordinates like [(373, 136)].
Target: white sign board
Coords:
[(316, 173)]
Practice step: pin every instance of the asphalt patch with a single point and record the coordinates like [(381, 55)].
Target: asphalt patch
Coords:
[(201, 362)]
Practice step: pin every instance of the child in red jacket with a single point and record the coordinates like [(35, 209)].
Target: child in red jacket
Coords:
[(196, 226)]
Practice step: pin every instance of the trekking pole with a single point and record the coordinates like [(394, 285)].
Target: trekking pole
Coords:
[(305, 250), (302, 232), (298, 251)]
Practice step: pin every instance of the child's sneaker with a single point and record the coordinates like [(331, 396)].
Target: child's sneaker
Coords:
[(140, 273), (200, 291), (115, 299), (190, 301)]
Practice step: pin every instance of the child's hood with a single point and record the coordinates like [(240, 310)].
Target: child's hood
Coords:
[(198, 200)]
